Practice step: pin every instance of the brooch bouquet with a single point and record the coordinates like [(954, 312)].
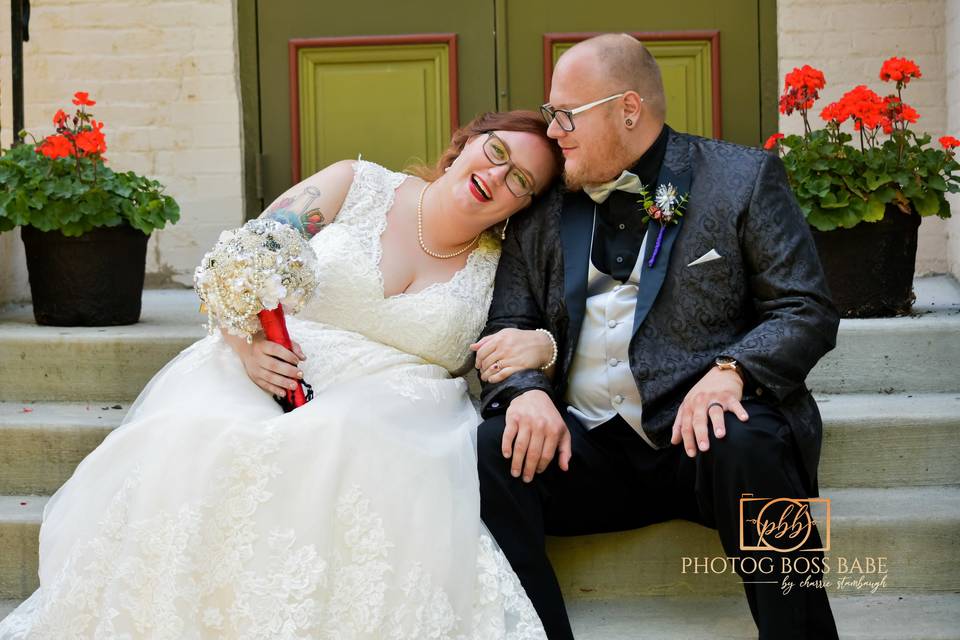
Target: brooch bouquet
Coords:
[(250, 276)]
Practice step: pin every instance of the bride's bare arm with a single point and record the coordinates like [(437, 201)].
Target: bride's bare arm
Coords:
[(501, 354), (312, 204), (270, 366)]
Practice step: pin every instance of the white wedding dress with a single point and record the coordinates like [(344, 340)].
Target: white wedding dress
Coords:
[(211, 514)]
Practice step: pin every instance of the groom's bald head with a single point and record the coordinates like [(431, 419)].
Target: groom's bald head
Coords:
[(624, 64)]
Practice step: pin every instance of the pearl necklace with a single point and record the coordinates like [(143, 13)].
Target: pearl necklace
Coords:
[(441, 256)]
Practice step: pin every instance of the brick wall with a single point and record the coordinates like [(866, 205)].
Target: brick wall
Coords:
[(164, 75), (849, 40)]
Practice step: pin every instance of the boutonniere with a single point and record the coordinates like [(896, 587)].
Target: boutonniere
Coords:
[(665, 207)]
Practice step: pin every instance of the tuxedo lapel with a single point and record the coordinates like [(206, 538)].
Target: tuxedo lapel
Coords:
[(576, 229), (676, 171)]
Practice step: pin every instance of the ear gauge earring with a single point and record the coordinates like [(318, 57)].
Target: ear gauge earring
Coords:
[(446, 169), (628, 122), (503, 230)]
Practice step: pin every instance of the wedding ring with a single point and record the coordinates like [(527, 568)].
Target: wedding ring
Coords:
[(714, 404), (496, 365)]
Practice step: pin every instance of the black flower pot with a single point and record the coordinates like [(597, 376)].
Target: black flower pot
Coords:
[(92, 280), (870, 267)]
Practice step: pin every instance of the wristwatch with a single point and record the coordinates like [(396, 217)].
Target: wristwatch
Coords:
[(726, 363)]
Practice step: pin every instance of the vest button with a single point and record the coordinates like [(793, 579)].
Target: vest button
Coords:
[(613, 362), (617, 399), (612, 324)]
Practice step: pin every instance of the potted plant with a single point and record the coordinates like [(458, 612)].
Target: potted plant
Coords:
[(84, 226), (865, 194)]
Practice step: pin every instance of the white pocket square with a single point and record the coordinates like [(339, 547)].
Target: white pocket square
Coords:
[(707, 257)]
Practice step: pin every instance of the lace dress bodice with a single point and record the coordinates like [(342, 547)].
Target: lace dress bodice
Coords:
[(351, 326)]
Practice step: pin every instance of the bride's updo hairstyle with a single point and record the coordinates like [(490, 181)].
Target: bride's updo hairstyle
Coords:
[(518, 120)]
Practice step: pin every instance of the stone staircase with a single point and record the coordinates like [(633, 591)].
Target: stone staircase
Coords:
[(889, 394)]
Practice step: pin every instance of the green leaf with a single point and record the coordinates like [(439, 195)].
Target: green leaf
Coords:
[(875, 180), (929, 204), (819, 219), (833, 201), (936, 182), (874, 210)]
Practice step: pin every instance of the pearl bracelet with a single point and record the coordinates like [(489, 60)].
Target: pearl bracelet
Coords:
[(553, 342)]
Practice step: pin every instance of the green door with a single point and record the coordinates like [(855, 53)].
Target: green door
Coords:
[(324, 81)]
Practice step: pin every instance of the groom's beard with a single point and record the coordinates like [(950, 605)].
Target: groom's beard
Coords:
[(611, 161)]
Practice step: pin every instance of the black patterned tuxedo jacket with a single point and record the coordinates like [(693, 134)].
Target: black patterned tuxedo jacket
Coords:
[(765, 302)]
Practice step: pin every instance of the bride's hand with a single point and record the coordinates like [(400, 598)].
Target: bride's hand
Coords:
[(270, 366), (507, 351)]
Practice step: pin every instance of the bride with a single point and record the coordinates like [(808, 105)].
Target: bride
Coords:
[(211, 514)]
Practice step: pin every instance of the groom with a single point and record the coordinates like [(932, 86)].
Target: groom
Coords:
[(681, 284)]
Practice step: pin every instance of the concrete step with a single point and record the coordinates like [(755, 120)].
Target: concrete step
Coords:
[(871, 440), (920, 353), (42, 443), (6, 606), (879, 440), (74, 364), (19, 530), (909, 617), (917, 530), (912, 617)]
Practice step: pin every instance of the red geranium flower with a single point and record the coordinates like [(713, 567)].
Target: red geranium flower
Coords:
[(92, 140), (897, 111), (865, 107), (82, 98), (60, 118), (772, 141), (899, 70), (949, 142), (55, 147), (801, 88), (836, 111)]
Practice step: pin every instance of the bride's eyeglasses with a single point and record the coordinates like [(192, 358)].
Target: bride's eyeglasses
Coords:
[(518, 181)]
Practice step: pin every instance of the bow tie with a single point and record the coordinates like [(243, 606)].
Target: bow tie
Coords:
[(626, 182)]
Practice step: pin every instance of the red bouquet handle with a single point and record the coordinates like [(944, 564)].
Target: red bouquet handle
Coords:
[(275, 329)]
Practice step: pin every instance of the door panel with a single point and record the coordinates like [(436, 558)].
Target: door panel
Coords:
[(349, 82)]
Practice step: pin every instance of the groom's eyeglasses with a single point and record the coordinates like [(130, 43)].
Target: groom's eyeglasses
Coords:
[(564, 117), (518, 182)]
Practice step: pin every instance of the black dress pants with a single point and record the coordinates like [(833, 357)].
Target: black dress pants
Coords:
[(616, 482)]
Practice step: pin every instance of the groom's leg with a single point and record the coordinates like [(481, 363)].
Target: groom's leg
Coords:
[(760, 457), (598, 493)]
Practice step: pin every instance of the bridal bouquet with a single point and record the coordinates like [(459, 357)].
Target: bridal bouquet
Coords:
[(250, 276)]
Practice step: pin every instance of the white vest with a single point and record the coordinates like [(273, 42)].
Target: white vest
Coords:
[(601, 384)]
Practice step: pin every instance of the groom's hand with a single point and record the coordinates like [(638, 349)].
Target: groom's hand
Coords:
[(717, 392), (535, 432)]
